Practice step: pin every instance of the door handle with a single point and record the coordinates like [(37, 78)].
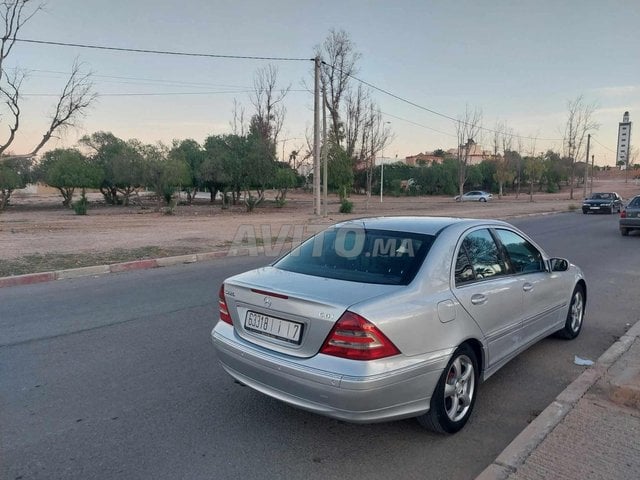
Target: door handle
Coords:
[(478, 299), (527, 287)]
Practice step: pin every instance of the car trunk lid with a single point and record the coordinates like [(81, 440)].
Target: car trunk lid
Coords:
[(291, 312)]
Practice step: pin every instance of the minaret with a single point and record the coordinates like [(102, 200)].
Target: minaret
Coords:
[(624, 141)]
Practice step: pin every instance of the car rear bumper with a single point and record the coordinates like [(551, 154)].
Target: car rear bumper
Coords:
[(393, 394), (630, 222)]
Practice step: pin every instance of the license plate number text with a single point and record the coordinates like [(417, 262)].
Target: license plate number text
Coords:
[(273, 327)]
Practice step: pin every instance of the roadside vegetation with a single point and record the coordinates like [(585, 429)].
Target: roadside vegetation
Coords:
[(61, 261)]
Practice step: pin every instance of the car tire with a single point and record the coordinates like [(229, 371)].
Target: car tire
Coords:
[(483, 199), (455, 394), (624, 231), (584, 212), (575, 315)]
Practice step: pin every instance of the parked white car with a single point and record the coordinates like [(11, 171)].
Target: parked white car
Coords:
[(474, 196)]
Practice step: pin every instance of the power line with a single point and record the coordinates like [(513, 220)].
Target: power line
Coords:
[(417, 124), (162, 52), (148, 94), (603, 146), (253, 57), (421, 107), (139, 94), (144, 79)]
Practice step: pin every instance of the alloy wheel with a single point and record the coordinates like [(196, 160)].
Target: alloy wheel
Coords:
[(459, 388), (577, 311)]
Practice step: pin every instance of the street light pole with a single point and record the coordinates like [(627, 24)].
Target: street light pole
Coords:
[(382, 164), (381, 174)]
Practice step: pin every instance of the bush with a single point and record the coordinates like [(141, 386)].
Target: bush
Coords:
[(280, 202), (80, 207), (226, 200), (171, 206), (346, 206), (251, 202)]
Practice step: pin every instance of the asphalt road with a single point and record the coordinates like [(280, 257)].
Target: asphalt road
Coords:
[(115, 377)]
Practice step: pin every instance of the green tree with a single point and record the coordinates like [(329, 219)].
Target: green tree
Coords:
[(285, 178), (193, 155), (340, 168), (504, 173), (259, 164), (555, 171), (474, 176), (164, 175), (224, 165), (15, 173), (513, 160), (67, 169), (533, 170), (121, 162)]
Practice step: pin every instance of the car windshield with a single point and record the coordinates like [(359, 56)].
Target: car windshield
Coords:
[(601, 196), (361, 255)]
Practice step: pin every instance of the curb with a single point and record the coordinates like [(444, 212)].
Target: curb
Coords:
[(517, 452), (31, 278)]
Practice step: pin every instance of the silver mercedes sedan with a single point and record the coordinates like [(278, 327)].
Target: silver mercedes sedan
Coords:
[(379, 319)]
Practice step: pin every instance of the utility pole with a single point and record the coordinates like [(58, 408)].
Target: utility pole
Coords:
[(325, 154), (591, 186), (586, 168), (316, 138)]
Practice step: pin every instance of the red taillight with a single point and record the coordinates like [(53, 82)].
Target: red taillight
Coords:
[(623, 214), (222, 305), (356, 338)]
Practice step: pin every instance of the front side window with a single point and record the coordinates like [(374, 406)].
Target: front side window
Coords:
[(522, 256)]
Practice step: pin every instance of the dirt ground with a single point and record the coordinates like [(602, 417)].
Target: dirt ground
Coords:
[(37, 233)]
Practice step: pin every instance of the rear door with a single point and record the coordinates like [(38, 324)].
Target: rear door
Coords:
[(488, 294)]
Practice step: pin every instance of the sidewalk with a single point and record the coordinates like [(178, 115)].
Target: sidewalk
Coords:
[(591, 430)]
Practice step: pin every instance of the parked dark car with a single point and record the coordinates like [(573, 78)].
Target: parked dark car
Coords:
[(630, 216), (602, 202)]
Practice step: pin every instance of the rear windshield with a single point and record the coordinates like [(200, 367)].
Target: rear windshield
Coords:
[(360, 255)]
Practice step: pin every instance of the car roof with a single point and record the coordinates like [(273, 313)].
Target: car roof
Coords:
[(415, 224)]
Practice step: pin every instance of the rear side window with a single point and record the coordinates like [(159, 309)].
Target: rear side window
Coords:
[(360, 255), (522, 256), (635, 202), (478, 258)]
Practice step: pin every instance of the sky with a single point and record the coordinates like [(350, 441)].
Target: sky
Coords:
[(520, 62)]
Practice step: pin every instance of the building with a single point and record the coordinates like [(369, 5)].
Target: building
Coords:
[(624, 141), (475, 154), (423, 159)]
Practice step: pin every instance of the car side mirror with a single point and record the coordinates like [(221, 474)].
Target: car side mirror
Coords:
[(559, 265)]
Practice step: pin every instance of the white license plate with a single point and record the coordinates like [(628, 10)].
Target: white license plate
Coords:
[(594, 208), (273, 327)]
